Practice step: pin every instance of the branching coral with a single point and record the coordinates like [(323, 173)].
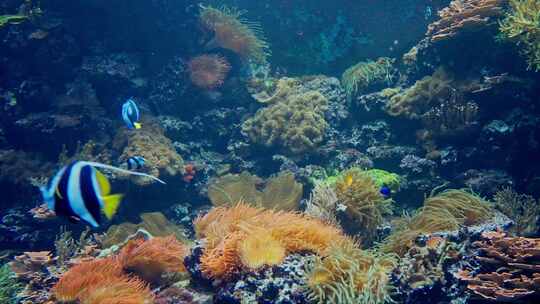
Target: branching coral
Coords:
[(464, 16), (446, 211), (523, 209), (509, 272), (295, 123), (232, 32), (281, 192), (350, 275), (151, 259), (365, 206), (208, 71), (230, 238), (364, 74), (522, 25), (151, 143)]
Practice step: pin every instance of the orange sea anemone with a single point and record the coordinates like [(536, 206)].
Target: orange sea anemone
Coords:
[(83, 276), (118, 291), (150, 259), (234, 238), (208, 71)]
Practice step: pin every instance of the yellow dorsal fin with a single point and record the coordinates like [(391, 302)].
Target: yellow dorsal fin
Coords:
[(137, 125), (103, 182), (111, 203)]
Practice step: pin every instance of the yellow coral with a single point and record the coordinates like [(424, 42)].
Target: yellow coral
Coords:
[(151, 143), (296, 123)]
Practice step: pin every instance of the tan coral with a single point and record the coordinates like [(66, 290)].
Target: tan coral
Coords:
[(151, 143)]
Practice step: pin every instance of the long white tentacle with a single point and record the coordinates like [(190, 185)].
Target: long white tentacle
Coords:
[(100, 165)]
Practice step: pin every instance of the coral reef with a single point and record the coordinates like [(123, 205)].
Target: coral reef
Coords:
[(228, 232), (281, 192), (208, 71), (323, 204), (364, 74), (509, 269), (464, 16), (231, 32), (150, 143), (295, 124), (350, 275), (521, 26), (523, 209)]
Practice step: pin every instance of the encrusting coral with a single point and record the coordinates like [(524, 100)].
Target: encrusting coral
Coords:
[(509, 272), (446, 211), (350, 275), (150, 143), (232, 32), (295, 123), (231, 234), (522, 25), (364, 74), (208, 71), (281, 192)]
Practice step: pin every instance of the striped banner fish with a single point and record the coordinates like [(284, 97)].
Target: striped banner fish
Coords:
[(81, 192), (135, 162)]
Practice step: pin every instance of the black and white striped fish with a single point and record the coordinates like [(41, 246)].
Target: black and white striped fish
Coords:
[(80, 192), (135, 162)]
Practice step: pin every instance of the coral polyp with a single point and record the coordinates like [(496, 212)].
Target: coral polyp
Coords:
[(208, 71)]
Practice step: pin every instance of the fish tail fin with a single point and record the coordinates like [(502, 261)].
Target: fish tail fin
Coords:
[(113, 168), (137, 125), (111, 204)]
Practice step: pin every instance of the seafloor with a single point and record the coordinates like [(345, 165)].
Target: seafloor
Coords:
[(344, 151)]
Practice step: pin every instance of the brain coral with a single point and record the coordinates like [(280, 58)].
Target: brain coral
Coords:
[(295, 124), (151, 143)]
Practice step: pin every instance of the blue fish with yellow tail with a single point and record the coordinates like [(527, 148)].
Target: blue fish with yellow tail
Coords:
[(131, 114), (79, 191)]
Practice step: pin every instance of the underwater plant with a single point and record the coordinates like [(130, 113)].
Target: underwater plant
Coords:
[(364, 74), (231, 32), (365, 205), (296, 123), (208, 71), (9, 288), (523, 209), (350, 275), (233, 236), (446, 211), (522, 25)]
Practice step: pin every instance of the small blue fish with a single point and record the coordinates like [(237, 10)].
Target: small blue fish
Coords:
[(135, 162), (385, 191), (79, 191), (131, 114), (428, 12)]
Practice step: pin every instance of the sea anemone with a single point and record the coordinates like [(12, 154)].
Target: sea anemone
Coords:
[(231, 32), (150, 259), (234, 238), (208, 71), (118, 291), (83, 276)]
